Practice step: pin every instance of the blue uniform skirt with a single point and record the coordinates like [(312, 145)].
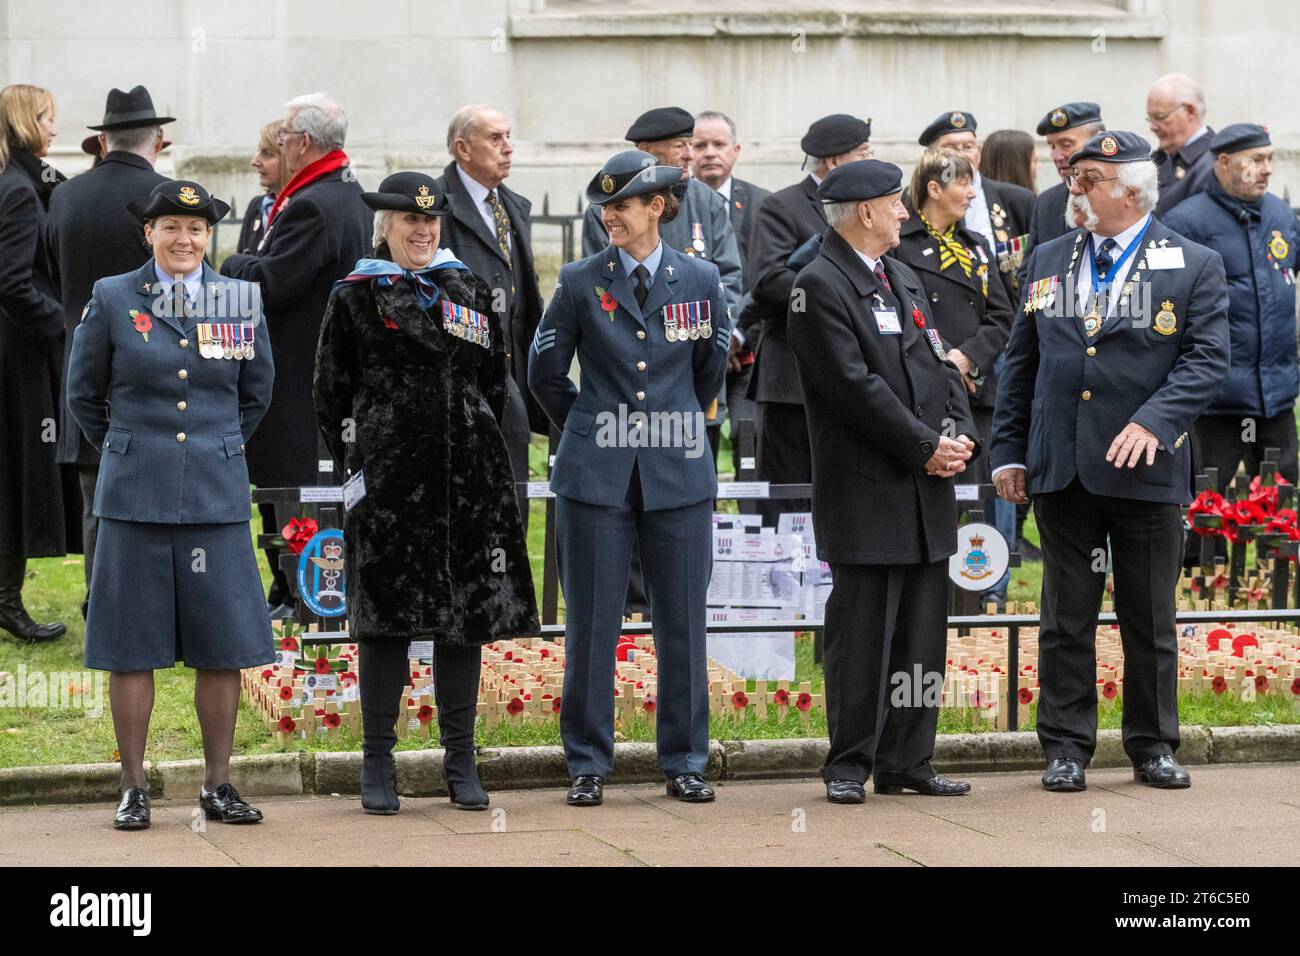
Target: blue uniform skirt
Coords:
[(162, 593)]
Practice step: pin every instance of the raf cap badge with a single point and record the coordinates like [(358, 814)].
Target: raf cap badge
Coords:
[(188, 196), (1109, 146), (424, 200), (1166, 322), (607, 184), (957, 119), (1058, 118)]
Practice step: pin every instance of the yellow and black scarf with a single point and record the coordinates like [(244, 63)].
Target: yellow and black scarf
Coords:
[(950, 250)]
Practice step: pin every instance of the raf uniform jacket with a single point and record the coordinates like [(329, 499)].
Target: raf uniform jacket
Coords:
[(703, 213), (628, 365), (971, 313), (314, 240), (1185, 173), (1063, 397), (466, 234), (170, 424), (91, 234), (787, 219), (876, 403)]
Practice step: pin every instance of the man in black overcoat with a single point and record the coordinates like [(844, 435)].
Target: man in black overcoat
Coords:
[(889, 424), (91, 235)]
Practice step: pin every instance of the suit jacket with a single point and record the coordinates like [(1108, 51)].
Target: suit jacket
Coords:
[(250, 227), (786, 220), (315, 240), (1047, 220), (876, 404), (171, 424), (971, 313), (1184, 174), (466, 234), (1014, 205), (629, 366), (91, 234), (1063, 397), (746, 199)]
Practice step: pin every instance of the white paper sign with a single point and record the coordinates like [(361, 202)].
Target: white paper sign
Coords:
[(1165, 257), (319, 493), (354, 489), (540, 489), (967, 492), (744, 489)]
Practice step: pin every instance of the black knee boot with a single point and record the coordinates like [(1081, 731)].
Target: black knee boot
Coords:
[(13, 616), (383, 667), (456, 678)]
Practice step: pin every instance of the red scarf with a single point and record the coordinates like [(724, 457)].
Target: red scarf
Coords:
[(306, 176)]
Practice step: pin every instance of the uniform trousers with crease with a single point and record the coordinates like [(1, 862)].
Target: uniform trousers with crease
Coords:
[(882, 620), (594, 545)]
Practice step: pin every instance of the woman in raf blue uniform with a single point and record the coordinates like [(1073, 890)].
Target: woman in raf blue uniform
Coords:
[(410, 390), (170, 373), (650, 328)]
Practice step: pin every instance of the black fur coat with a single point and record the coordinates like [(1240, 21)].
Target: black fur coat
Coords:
[(435, 550)]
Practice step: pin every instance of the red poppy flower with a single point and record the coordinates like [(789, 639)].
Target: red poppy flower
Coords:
[(739, 700), (288, 643), (782, 697), (1295, 687), (545, 653), (1025, 695), (555, 706), (1241, 642), (804, 701), (516, 706), (1219, 685), (607, 302), (1261, 683), (1109, 690), (424, 714), (298, 532), (286, 692), (267, 675), (332, 720), (322, 665), (143, 324), (918, 318), (650, 704), (287, 724), (348, 678), (388, 323), (509, 656)]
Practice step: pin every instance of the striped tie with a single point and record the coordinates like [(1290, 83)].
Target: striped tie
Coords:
[(502, 223), (950, 250)]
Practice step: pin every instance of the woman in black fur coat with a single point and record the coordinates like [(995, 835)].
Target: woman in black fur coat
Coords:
[(410, 387)]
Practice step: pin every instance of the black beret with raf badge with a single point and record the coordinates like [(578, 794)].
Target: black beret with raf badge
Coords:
[(1068, 116), (956, 121), (666, 122), (1114, 146), (835, 135)]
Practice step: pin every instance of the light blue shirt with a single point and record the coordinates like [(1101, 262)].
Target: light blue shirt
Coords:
[(651, 262), (193, 281)]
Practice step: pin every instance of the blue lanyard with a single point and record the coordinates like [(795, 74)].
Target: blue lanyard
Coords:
[(1097, 286)]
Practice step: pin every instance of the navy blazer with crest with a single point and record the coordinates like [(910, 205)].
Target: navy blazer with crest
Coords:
[(628, 365), (135, 399), (1063, 397)]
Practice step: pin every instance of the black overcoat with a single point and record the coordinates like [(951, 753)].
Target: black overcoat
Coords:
[(436, 548)]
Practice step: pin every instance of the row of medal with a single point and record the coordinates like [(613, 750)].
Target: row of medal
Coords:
[(225, 340), (687, 321), (466, 324)]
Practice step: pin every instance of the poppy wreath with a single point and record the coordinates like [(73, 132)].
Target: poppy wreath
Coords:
[(1221, 518)]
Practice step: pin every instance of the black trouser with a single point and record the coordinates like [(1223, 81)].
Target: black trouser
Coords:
[(1145, 548), (784, 456), (883, 620), (87, 476), (384, 672), (1219, 444)]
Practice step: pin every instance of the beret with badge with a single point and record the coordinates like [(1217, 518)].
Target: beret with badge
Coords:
[(955, 122), (409, 192), (1239, 136), (632, 172), (666, 122), (860, 180), (834, 135), (1068, 116), (1114, 146), (178, 197)]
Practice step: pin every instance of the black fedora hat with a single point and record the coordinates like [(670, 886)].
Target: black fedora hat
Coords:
[(178, 197), (409, 192), (130, 110)]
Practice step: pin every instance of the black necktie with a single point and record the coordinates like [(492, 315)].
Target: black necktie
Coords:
[(1104, 260), (642, 284), (883, 279)]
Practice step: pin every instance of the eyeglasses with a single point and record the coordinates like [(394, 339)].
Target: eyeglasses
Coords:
[(281, 133), (1161, 117), (1086, 183)]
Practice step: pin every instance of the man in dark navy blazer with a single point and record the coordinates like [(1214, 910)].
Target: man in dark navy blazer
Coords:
[(1120, 343)]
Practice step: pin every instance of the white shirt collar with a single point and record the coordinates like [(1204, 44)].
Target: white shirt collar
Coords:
[(651, 262), (1124, 238), (725, 189), (1194, 137), (872, 264), (477, 191), (815, 178)]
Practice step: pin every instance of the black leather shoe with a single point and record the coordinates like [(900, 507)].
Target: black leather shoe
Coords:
[(1029, 551), (379, 784), (690, 788), (1163, 772), (1064, 775), (133, 811), (930, 787), (587, 791), (225, 804), (845, 791), (20, 624)]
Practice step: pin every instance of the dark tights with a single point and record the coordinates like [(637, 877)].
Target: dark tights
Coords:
[(384, 672)]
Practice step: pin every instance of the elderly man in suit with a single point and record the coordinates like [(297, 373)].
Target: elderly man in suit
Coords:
[(713, 158), (319, 227), (889, 420), (1120, 343), (1066, 128), (1176, 115), (91, 234), (490, 230), (787, 220)]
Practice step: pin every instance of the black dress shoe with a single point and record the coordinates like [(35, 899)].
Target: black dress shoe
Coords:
[(1064, 775), (1029, 551), (845, 791), (690, 788), (929, 787), (379, 784), (1163, 772), (133, 811), (225, 804), (20, 624), (587, 791)]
